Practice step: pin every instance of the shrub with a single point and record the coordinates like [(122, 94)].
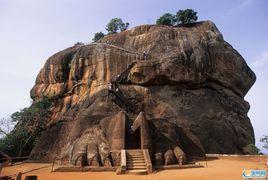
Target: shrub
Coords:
[(79, 44), (186, 16), (115, 25), (98, 36), (251, 149), (167, 19)]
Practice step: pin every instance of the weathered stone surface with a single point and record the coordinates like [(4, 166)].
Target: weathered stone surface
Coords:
[(91, 148), (190, 88)]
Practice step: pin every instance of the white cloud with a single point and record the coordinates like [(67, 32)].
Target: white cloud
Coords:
[(261, 61)]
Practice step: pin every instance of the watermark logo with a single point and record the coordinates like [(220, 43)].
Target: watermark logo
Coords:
[(249, 174)]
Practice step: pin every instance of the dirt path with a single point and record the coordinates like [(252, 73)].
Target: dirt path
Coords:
[(217, 169)]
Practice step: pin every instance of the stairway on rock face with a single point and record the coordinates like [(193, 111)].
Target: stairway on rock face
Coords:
[(131, 116), (135, 162), (117, 95), (119, 99), (122, 78)]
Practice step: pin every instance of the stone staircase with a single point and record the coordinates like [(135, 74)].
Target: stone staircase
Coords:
[(119, 99), (135, 162), (122, 78)]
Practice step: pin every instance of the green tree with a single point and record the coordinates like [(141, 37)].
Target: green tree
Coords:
[(79, 44), (264, 140), (167, 19), (115, 25), (124, 26), (30, 122), (98, 36), (186, 16)]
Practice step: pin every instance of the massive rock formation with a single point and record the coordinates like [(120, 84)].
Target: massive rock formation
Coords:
[(190, 84)]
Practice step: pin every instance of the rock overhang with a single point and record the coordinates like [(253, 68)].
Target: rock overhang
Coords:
[(186, 66)]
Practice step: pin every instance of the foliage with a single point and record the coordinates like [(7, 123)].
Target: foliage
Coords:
[(6, 126), (251, 149), (182, 17), (115, 25), (167, 19), (30, 122), (18, 143), (264, 140), (186, 16), (98, 36), (79, 44)]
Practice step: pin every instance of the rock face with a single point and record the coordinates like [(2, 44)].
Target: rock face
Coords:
[(189, 86)]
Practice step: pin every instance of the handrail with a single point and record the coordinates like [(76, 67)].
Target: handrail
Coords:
[(123, 101), (123, 165), (119, 78), (114, 46), (53, 164), (148, 161), (115, 86), (56, 158)]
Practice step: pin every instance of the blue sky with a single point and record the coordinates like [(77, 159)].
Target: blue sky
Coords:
[(32, 30)]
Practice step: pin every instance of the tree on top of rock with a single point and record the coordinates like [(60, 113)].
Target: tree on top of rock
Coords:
[(98, 36), (79, 44), (115, 25), (264, 140), (186, 16), (167, 19)]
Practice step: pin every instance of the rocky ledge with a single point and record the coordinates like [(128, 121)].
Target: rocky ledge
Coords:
[(187, 82)]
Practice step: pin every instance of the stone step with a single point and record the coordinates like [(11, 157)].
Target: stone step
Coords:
[(136, 165), (136, 160), (134, 150), (141, 155), (137, 172), (134, 153), (133, 156)]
